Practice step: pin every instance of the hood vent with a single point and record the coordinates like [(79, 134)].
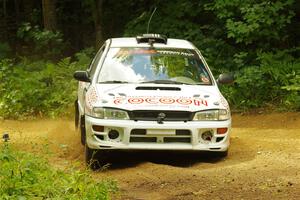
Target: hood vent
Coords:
[(158, 88)]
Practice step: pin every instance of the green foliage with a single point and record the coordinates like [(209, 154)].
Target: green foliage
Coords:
[(275, 81), (5, 50), (251, 21), (44, 43), (166, 25), (38, 88), (294, 82), (27, 176), (250, 88), (254, 39)]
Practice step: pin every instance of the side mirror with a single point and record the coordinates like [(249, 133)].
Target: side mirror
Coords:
[(82, 76), (226, 78)]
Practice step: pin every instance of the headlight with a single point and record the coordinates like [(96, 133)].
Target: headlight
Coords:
[(212, 115), (108, 113)]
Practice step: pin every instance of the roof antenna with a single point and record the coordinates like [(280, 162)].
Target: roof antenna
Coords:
[(151, 19)]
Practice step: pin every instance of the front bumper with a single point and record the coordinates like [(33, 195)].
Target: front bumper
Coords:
[(149, 135)]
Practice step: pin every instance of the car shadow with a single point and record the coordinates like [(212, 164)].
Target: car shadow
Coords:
[(127, 159)]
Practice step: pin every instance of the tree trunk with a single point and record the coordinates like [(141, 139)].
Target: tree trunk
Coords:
[(4, 8), (98, 14), (28, 6), (4, 20), (49, 14), (17, 10)]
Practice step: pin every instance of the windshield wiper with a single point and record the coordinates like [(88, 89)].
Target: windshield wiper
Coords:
[(166, 82), (114, 82)]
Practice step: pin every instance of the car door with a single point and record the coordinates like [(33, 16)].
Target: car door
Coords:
[(83, 86)]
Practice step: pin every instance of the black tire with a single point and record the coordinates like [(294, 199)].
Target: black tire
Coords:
[(91, 158), (76, 117), (94, 158), (82, 130)]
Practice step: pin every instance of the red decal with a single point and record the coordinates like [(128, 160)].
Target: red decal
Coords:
[(151, 100), (91, 97), (118, 101), (204, 102), (184, 101), (197, 102), (166, 100), (135, 100)]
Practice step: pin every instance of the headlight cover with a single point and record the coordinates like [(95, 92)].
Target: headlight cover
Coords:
[(212, 115), (108, 113)]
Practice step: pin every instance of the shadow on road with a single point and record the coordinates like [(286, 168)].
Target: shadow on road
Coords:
[(240, 151), (125, 159)]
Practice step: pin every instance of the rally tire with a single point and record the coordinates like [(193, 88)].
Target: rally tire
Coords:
[(76, 117), (96, 158), (91, 158), (82, 130)]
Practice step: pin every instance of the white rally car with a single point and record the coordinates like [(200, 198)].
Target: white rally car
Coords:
[(151, 93)]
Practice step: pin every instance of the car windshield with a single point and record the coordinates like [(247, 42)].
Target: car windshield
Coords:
[(153, 65)]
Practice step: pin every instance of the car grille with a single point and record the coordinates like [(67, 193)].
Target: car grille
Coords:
[(146, 115), (140, 135)]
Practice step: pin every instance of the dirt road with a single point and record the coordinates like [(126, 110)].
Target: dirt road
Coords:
[(263, 161)]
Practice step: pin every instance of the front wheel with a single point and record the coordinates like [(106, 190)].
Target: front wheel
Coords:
[(76, 117), (82, 130), (91, 158), (96, 158)]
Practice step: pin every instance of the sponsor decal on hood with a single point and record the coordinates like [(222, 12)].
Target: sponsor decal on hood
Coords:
[(128, 98), (160, 100)]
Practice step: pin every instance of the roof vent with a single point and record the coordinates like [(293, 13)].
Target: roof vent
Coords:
[(152, 38)]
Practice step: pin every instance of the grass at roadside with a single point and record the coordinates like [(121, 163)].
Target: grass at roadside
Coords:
[(24, 176)]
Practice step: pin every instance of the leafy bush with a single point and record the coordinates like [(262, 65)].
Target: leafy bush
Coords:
[(41, 43), (5, 50), (254, 21), (38, 88), (275, 81), (254, 39), (26, 176), (249, 89)]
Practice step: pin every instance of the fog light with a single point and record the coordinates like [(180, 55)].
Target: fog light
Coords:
[(207, 135), (221, 130), (113, 134)]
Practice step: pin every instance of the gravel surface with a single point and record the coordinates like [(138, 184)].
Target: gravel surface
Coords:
[(263, 161)]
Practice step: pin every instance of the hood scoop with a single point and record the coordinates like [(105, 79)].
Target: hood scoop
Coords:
[(158, 88)]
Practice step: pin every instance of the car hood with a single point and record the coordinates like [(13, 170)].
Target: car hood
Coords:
[(155, 97)]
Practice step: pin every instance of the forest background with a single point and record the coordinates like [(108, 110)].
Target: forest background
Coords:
[(43, 42)]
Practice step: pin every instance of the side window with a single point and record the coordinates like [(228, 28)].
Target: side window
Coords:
[(95, 62)]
